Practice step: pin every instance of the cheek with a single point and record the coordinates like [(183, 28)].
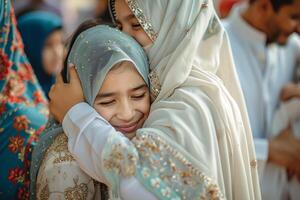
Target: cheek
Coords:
[(46, 59), (106, 112), (143, 106), (142, 37)]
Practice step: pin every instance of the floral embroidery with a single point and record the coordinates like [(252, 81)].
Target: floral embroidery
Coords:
[(155, 182), (5, 64), (16, 143), (23, 193), (164, 168), (2, 108), (78, 192), (15, 87), (16, 175), (166, 192), (21, 123), (120, 160), (144, 22), (25, 72), (38, 97)]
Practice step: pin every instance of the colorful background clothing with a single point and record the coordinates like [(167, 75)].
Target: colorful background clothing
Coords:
[(23, 109), (37, 26)]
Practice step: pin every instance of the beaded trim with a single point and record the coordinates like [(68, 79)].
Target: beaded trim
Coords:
[(112, 10), (155, 86), (144, 22)]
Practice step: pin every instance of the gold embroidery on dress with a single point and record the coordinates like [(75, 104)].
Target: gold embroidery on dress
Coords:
[(155, 86), (116, 159), (45, 193), (78, 192), (174, 169), (60, 146), (138, 13)]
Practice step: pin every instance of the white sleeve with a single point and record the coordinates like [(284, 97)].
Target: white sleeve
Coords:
[(87, 134)]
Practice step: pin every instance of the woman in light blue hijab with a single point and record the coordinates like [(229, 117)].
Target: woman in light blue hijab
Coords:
[(101, 54)]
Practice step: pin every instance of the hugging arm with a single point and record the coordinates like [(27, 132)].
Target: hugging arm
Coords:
[(90, 137)]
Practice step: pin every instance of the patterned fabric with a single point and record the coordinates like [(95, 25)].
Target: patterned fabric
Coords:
[(161, 168), (68, 181), (23, 109)]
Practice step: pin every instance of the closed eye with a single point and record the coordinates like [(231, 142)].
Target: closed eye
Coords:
[(106, 103), (137, 97)]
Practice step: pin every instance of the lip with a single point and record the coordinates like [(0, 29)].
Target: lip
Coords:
[(127, 128)]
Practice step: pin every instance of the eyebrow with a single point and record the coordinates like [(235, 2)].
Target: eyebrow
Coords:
[(109, 94), (126, 18)]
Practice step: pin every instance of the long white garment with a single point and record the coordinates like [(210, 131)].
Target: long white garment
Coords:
[(262, 71), (192, 60)]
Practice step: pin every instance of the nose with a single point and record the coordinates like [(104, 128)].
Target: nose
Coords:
[(126, 111)]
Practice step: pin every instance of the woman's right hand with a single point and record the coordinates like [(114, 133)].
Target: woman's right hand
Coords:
[(64, 96)]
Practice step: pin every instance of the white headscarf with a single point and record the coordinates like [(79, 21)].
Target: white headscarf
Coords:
[(199, 104)]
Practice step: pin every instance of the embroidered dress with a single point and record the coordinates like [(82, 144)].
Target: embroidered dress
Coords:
[(23, 109)]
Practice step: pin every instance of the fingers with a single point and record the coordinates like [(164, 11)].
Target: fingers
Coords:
[(59, 79), (73, 75), (50, 93)]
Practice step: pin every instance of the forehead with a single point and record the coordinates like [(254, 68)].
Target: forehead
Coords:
[(124, 72), (122, 9)]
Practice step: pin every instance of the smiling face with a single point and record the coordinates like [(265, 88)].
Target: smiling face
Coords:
[(123, 99), (128, 23)]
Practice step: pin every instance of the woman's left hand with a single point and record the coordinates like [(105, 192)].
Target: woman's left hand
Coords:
[(64, 96)]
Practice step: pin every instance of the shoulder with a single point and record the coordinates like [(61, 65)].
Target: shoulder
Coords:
[(60, 174)]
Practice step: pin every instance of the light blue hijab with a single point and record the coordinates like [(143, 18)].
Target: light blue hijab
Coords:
[(97, 50), (94, 52)]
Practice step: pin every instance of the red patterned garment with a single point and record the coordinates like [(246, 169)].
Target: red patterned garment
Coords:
[(23, 109)]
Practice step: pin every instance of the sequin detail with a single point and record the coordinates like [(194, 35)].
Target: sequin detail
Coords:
[(168, 172), (155, 86), (138, 13)]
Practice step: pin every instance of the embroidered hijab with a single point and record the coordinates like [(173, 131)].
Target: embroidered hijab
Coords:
[(95, 51), (199, 108)]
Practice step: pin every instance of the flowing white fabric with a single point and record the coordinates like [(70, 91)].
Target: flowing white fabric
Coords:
[(200, 105)]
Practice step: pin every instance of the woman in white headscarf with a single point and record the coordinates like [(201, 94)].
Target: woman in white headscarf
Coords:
[(197, 142)]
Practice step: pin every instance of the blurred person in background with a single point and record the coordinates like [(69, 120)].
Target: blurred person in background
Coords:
[(266, 51), (43, 43), (225, 7), (25, 6), (23, 109)]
